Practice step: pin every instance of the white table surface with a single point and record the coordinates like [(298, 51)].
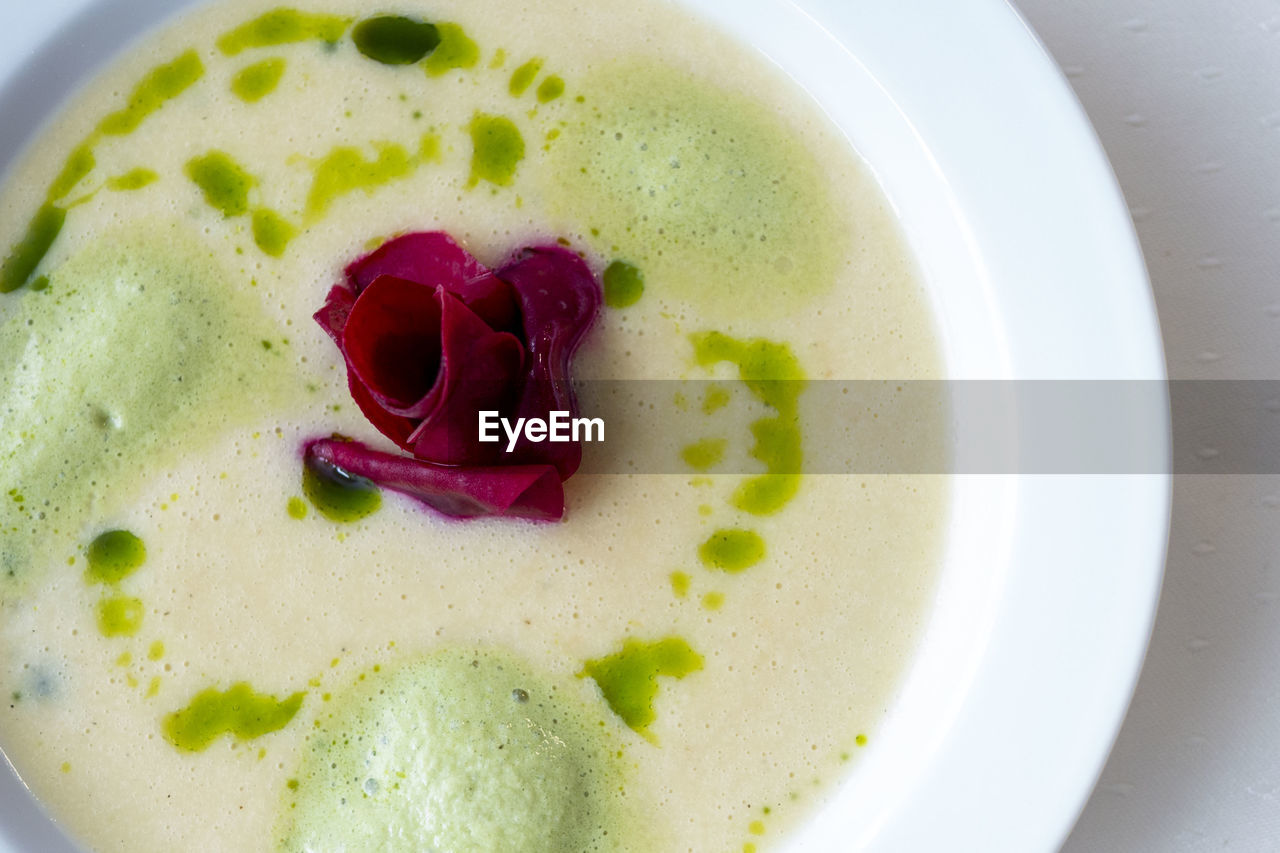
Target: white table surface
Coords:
[(1185, 95)]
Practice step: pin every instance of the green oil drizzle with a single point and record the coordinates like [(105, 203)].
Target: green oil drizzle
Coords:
[(456, 50), (113, 556), (224, 182), (160, 85), (238, 711), (732, 550), (134, 179), (271, 231), (26, 255), (771, 372), (80, 163), (522, 78), (496, 149), (254, 82), (120, 616), (550, 88), (623, 284), (345, 170), (395, 39), (337, 495), (705, 454), (629, 679), (283, 26)]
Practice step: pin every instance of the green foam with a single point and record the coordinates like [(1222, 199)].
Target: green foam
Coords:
[(462, 750), (82, 416), (706, 189)]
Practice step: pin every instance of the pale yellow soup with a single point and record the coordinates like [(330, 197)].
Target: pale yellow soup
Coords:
[(162, 370)]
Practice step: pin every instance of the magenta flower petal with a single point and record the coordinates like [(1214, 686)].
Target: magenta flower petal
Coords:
[(479, 371), (431, 338), (514, 491), (333, 315), (392, 342), (559, 300), (434, 258)]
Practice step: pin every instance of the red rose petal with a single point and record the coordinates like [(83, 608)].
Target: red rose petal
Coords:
[(559, 300), (392, 342), (478, 369), (333, 315), (514, 491), (426, 332), (434, 258)]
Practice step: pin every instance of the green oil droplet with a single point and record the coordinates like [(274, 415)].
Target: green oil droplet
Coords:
[(113, 556), (623, 284), (732, 550), (337, 495), (550, 88), (456, 50), (715, 399), (712, 600), (156, 652), (680, 584), (238, 711), (497, 148), (120, 616), (282, 26), (705, 454), (134, 179), (224, 183), (522, 78), (27, 253), (271, 231), (254, 82), (297, 508), (629, 678), (395, 39), (161, 85)]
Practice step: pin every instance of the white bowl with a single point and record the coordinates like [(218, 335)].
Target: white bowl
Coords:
[(1050, 583)]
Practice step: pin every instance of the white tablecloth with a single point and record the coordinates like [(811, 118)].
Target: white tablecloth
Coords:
[(1185, 95)]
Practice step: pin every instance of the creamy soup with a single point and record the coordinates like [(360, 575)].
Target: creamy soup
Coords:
[(195, 656)]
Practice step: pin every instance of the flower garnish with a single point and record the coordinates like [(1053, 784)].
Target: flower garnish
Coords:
[(431, 337)]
